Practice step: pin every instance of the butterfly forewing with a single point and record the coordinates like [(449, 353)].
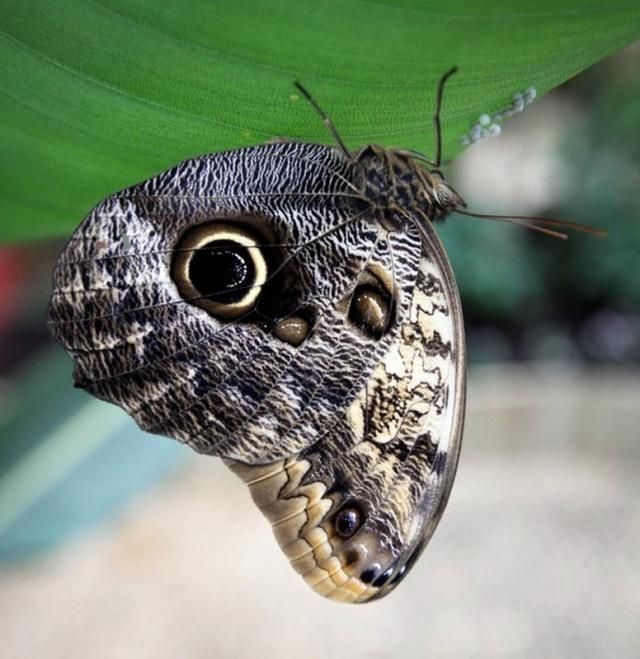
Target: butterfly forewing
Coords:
[(226, 386)]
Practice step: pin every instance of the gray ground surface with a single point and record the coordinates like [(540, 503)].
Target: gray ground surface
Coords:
[(537, 555)]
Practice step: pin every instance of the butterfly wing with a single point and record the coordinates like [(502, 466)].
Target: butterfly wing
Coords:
[(353, 511), (331, 376), (149, 329)]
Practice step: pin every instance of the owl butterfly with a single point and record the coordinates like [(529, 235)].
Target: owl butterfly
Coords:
[(289, 308)]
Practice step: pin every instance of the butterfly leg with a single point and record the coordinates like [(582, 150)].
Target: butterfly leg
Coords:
[(325, 119)]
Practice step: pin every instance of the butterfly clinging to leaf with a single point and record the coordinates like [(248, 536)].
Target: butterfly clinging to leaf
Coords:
[(290, 308)]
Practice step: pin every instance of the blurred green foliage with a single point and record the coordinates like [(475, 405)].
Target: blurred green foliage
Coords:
[(581, 294), (602, 155)]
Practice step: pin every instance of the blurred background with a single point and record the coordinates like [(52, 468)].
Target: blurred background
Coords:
[(118, 544)]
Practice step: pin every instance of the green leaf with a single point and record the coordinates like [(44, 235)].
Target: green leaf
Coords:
[(96, 96)]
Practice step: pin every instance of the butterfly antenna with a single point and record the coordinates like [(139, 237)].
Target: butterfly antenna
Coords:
[(326, 120), (437, 127), (539, 224)]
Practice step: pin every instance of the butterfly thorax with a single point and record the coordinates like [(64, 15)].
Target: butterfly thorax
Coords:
[(399, 187)]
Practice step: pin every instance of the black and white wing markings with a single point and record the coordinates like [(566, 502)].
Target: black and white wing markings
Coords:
[(177, 370)]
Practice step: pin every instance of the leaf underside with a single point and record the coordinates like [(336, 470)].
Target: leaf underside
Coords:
[(99, 95)]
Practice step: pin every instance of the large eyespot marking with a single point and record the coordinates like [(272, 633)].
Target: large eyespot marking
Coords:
[(220, 266), (222, 270), (372, 305)]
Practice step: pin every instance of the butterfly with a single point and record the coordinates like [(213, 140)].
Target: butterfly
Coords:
[(289, 308)]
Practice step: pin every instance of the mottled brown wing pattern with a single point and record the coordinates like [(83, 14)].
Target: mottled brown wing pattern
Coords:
[(391, 456), (289, 308), (226, 387)]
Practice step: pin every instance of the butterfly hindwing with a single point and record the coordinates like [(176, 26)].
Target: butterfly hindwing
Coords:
[(353, 511)]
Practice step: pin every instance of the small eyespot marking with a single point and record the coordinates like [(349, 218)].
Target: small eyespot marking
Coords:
[(347, 522), (372, 305), (383, 578), (292, 330), (369, 311), (368, 575)]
